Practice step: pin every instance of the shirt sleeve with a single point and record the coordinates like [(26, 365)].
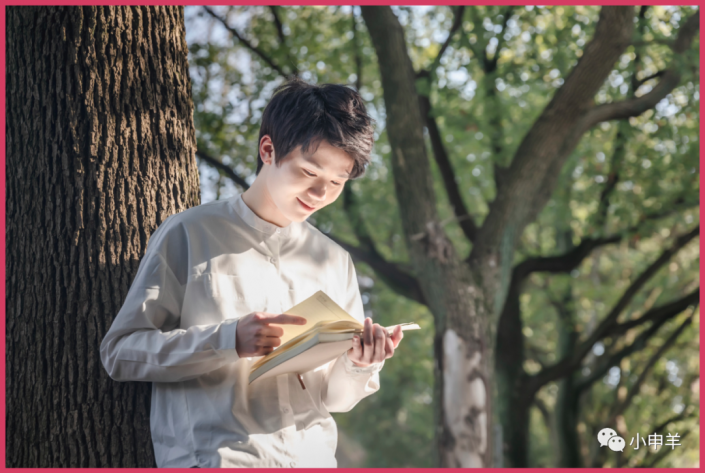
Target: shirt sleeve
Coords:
[(145, 343), (344, 383)]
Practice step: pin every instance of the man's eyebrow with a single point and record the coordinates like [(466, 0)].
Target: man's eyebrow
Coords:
[(309, 158)]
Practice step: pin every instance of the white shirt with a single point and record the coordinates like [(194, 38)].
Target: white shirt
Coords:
[(204, 268)]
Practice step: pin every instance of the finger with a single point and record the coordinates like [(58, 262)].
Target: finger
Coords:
[(261, 349), (269, 331), (389, 348), (380, 340), (286, 319), (268, 342), (368, 335), (397, 335), (356, 349)]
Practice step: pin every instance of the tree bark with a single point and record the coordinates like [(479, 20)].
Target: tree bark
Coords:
[(463, 374), (100, 150)]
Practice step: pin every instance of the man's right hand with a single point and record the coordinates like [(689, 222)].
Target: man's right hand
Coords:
[(256, 336)]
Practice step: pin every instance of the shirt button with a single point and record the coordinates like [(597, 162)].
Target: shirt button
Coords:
[(272, 260), (285, 410), (292, 464), (278, 231)]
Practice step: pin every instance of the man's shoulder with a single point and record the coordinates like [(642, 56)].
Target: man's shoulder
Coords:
[(217, 209), (196, 217), (321, 240)]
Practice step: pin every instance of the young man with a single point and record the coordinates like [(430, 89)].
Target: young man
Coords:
[(210, 292)]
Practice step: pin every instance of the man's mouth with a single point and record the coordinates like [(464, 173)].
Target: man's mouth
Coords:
[(305, 206)]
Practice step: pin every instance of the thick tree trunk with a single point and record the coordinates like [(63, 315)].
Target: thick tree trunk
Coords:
[(513, 400), (463, 371), (100, 150)]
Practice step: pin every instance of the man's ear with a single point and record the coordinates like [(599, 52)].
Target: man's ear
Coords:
[(266, 150)]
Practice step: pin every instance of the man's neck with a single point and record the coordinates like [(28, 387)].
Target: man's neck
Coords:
[(257, 198)]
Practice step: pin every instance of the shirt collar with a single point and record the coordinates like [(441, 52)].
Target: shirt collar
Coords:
[(251, 219)]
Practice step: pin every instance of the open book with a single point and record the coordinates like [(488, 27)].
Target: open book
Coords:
[(326, 335)]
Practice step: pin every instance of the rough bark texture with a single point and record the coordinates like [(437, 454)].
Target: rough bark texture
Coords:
[(100, 150)]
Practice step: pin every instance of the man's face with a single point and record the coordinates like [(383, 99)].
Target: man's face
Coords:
[(305, 183)]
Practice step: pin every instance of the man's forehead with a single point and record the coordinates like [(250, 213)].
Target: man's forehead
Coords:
[(312, 157)]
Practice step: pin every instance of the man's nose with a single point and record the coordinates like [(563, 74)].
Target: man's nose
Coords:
[(318, 191)]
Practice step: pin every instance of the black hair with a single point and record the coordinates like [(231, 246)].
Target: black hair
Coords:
[(305, 114)]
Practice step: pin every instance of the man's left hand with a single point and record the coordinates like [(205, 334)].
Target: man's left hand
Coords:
[(375, 346)]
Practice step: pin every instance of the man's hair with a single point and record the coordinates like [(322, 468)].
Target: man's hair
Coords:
[(305, 114)]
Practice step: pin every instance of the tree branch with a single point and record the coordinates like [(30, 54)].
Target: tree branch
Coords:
[(656, 313), (491, 65), (571, 362), (465, 220), (457, 23), (636, 285), (669, 80), (533, 173), (662, 453), (397, 279), (561, 263), (246, 43), (634, 388), (543, 409), (227, 170), (282, 39), (350, 205), (358, 56), (638, 344), (655, 75)]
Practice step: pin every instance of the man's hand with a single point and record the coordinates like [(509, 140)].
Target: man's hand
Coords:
[(376, 345), (255, 336)]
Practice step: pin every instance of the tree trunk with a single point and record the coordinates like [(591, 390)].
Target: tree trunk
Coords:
[(100, 150), (463, 373), (513, 401)]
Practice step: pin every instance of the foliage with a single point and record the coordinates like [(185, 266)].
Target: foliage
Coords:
[(655, 199)]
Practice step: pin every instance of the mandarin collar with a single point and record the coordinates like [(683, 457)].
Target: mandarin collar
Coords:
[(251, 219)]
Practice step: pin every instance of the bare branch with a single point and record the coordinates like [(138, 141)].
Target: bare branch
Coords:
[(240, 181), (245, 42)]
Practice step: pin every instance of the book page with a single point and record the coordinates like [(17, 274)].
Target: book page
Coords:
[(317, 308)]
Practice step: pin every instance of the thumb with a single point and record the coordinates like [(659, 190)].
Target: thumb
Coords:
[(397, 335)]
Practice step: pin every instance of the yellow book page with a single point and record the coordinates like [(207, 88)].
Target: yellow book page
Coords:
[(317, 308), (340, 326)]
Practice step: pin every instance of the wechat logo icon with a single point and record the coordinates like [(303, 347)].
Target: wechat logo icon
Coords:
[(608, 437)]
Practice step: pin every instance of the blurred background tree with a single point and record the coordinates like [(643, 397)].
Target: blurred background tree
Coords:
[(597, 321)]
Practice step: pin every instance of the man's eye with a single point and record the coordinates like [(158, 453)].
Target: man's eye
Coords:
[(309, 173), (336, 183)]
